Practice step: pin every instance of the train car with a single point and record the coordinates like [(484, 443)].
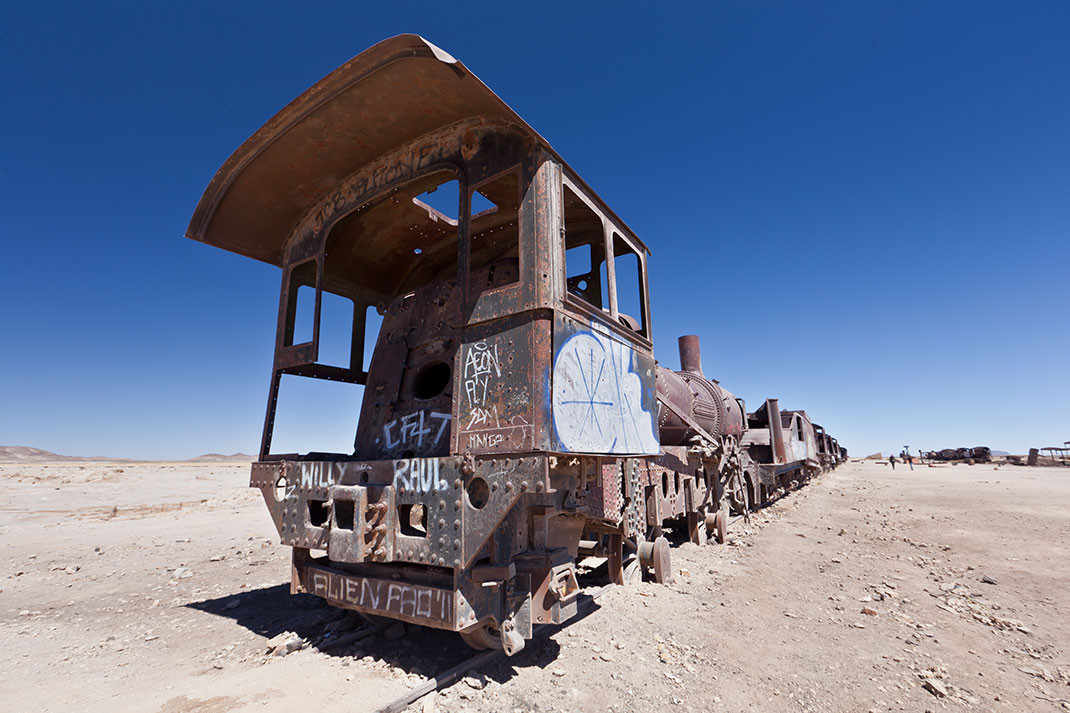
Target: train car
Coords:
[(835, 454), (839, 454), (825, 455), (513, 417), (781, 448)]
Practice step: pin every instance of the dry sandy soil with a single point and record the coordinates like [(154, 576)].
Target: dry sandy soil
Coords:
[(156, 587)]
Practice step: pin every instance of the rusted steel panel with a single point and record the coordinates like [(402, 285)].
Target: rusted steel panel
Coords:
[(264, 475), (542, 340), (633, 521), (345, 122), (703, 402), (603, 497), (495, 411), (374, 103), (401, 600), (437, 511)]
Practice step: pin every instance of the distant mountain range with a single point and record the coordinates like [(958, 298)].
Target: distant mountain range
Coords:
[(25, 454), (218, 457)]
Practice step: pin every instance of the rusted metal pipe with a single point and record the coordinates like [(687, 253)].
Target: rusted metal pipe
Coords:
[(776, 430), (690, 356)]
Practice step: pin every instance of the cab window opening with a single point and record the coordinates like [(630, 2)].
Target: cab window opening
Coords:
[(585, 255), (315, 415), (399, 242), (395, 244), (442, 201), (373, 324), (301, 308), (495, 232), (337, 331), (628, 271)]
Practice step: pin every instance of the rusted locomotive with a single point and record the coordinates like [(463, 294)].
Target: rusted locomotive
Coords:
[(513, 418), (978, 453)]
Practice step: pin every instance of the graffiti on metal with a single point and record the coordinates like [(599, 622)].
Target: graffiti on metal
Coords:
[(487, 417), (389, 597), (597, 398), (421, 475), (316, 475), (415, 430), (481, 364)]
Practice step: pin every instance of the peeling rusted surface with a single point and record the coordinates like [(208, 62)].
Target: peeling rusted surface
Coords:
[(514, 418)]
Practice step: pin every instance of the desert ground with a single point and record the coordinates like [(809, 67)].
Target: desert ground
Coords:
[(158, 587)]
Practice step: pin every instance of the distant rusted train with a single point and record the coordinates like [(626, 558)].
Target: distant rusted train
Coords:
[(514, 420), (977, 453)]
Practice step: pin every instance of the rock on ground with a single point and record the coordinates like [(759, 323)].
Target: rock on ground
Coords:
[(867, 590)]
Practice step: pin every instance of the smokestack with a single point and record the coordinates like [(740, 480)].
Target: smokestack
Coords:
[(690, 357), (776, 430)]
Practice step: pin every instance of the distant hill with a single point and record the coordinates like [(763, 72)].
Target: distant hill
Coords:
[(218, 457), (25, 454)]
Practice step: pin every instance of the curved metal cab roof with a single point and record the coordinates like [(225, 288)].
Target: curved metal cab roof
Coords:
[(386, 97)]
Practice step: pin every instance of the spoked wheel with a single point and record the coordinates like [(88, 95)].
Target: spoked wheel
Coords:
[(485, 635), (729, 462), (738, 494)]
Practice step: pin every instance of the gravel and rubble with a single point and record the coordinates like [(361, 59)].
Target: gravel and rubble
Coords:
[(161, 588)]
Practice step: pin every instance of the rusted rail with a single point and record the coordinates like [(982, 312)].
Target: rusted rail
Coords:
[(450, 676)]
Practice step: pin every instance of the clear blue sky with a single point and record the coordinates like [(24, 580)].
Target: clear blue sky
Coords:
[(861, 207)]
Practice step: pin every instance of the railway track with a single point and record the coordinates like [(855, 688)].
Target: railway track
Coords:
[(483, 658)]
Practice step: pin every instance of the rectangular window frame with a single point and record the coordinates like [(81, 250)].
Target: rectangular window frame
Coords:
[(609, 229), (495, 294), (301, 359)]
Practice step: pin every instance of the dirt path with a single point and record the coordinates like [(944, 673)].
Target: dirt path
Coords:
[(156, 587)]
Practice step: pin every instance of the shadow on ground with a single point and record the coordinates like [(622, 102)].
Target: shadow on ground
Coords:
[(270, 611)]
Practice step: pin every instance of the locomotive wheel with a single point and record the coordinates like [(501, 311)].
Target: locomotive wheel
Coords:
[(655, 555), (739, 495), (748, 495), (485, 635), (720, 526), (662, 561), (696, 527), (717, 524), (751, 492), (633, 571)]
